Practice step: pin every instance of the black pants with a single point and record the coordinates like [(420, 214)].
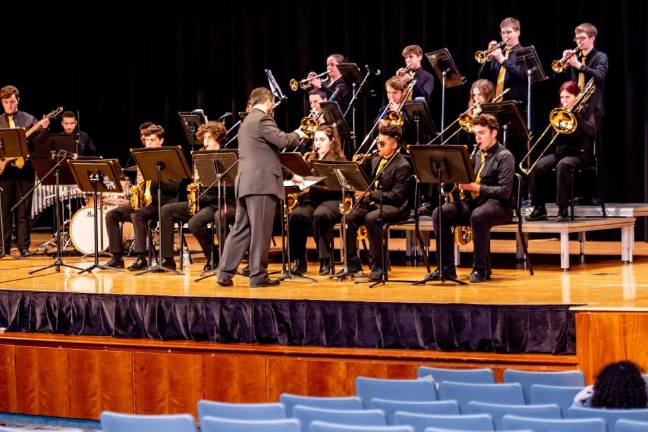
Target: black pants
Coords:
[(178, 212), (480, 218), (12, 191), (539, 180), (322, 218), (369, 216), (139, 218)]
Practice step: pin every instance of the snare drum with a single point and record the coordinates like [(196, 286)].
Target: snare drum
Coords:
[(115, 199), (82, 230)]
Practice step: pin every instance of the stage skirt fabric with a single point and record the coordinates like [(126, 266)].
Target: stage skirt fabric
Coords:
[(430, 326)]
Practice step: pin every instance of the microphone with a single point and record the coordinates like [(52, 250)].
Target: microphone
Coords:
[(225, 115), (377, 72)]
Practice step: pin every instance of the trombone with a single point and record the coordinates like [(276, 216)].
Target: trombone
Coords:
[(465, 120), (559, 66), (390, 117), (305, 84), (563, 121), (482, 57)]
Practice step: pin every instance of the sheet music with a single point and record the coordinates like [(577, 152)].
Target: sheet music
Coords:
[(308, 182)]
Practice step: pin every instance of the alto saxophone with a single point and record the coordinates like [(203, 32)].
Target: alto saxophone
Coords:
[(141, 193), (193, 192)]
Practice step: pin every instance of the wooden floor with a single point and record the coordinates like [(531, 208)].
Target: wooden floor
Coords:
[(602, 283)]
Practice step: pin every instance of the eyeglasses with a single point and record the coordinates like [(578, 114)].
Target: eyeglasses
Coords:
[(507, 32), (380, 143), (581, 39)]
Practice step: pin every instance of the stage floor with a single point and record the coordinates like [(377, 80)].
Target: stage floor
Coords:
[(602, 283)]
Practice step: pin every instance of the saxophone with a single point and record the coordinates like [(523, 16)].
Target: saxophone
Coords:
[(141, 192), (193, 192)]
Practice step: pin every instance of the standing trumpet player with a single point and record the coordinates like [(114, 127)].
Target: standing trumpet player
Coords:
[(211, 134), (334, 81), (413, 55), (488, 202)]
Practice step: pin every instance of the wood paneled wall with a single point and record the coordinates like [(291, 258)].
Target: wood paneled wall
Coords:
[(82, 376)]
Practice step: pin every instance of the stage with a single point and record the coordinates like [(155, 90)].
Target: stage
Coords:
[(75, 345)]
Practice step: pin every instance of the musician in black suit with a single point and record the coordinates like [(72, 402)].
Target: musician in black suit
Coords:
[(84, 144), (502, 69), (211, 134), (393, 173), (140, 217), (413, 55), (334, 82), (570, 151), (488, 202), (318, 208), (258, 188), (18, 176)]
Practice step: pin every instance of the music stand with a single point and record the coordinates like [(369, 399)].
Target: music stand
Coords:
[(191, 121), (297, 165), (158, 164), (44, 168), (508, 116), (97, 176), (334, 117), (13, 144), (216, 168), (438, 164), (345, 177), (417, 113), (351, 74), (274, 87), (447, 72)]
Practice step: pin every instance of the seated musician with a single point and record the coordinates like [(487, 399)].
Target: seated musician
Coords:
[(211, 134), (482, 92), (319, 207), (396, 89), (154, 136), (316, 96), (570, 151), (488, 202), (413, 55), (393, 172)]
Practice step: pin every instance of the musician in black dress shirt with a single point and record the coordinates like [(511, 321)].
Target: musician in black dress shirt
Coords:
[(393, 172), (488, 202), (85, 146), (570, 151), (18, 176), (413, 55), (502, 69), (335, 81)]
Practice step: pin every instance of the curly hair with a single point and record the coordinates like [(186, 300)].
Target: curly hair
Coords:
[(621, 386), (335, 152), (216, 129)]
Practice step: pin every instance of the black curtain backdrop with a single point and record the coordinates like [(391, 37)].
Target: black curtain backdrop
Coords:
[(122, 64)]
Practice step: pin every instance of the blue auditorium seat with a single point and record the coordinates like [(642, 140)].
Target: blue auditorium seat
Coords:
[(378, 388), (475, 376), (497, 411), (433, 407), (320, 426), (242, 411), (218, 424), (570, 378), (554, 425), (307, 415), (478, 422), (117, 422), (491, 393), (338, 403)]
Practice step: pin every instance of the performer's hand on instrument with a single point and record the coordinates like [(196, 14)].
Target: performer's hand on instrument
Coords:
[(573, 62), (315, 82), (301, 133), (44, 122), (470, 187), (404, 74), (358, 194)]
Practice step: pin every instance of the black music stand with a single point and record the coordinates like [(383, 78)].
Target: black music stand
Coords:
[(438, 164), (216, 168), (97, 176), (44, 169), (351, 74), (13, 143), (345, 177), (528, 59), (274, 87), (447, 72), (297, 165), (334, 117), (158, 164), (417, 114), (191, 121), (509, 117)]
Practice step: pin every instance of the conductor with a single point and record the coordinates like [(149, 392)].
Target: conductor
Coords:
[(258, 188)]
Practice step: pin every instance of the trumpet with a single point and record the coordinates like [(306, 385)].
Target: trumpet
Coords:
[(563, 121), (484, 56), (465, 120), (305, 84), (559, 66)]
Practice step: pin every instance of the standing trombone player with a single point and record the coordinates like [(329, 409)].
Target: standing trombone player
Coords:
[(573, 137)]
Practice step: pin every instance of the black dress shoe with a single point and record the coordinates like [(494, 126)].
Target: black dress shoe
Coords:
[(169, 263), (478, 275), (245, 271), (376, 274), (266, 283), (208, 267), (539, 213), (139, 264), (24, 252), (438, 274), (117, 263), (225, 283), (298, 267), (325, 267), (563, 215)]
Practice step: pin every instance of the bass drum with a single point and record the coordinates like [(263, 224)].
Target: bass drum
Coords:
[(82, 230)]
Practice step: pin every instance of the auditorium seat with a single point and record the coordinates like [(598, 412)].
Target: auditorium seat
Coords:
[(477, 422), (497, 411), (490, 393), (562, 396), (433, 407), (320, 426), (553, 425), (571, 378), (630, 426), (307, 415), (242, 411), (218, 424), (477, 376), (411, 390), (609, 415), (117, 422), (338, 403)]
